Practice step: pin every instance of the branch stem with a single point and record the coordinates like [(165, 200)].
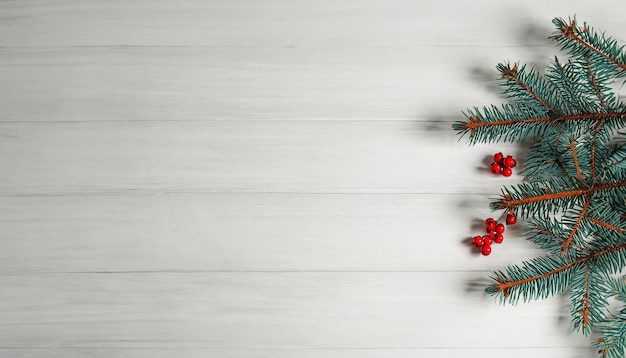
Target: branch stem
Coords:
[(506, 203), (504, 286), (473, 124), (568, 31)]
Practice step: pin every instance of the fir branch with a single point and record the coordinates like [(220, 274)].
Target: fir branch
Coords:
[(582, 308), (547, 234), (612, 341), (567, 78), (575, 227), (507, 201), (604, 224), (618, 159), (588, 298), (593, 150), (527, 87), (511, 123), (526, 201), (585, 301), (539, 278), (594, 83), (544, 276), (574, 196), (585, 42), (544, 161), (572, 147)]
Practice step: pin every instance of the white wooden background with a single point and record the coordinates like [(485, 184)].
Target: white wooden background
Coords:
[(260, 178)]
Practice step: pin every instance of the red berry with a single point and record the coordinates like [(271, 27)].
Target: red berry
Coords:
[(498, 239), (487, 240), (507, 171), (491, 226), (491, 234), (511, 219), (500, 228), (485, 250), (490, 220), (509, 162), (495, 168), (478, 241), (498, 157)]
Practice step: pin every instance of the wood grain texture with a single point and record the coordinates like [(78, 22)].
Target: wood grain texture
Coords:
[(350, 352), (260, 179), (222, 311), (240, 156), (249, 23), (225, 83), (246, 232)]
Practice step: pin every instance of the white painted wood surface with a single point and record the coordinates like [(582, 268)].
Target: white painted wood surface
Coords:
[(260, 178)]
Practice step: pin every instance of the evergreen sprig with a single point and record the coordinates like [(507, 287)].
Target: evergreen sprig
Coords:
[(573, 195)]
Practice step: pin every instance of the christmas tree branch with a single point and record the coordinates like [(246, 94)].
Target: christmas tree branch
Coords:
[(476, 122), (509, 203), (560, 164), (573, 32), (611, 343), (592, 78), (543, 230), (575, 228), (616, 163), (588, 298), (572, 147), (593, 150), (574, 190), (504, 286), (585, 301), (545, 235), (517, 80), (566, 78), (606, 225)]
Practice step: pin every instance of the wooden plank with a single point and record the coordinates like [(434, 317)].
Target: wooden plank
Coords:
[(246, 311), (290, 83), (486, 352), (242, 156), (279, 23), (249, 232)]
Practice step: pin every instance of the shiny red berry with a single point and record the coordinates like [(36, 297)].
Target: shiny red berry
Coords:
[(498, 157), (485, 250), (491, 226), (500, 228), (487, 240), (509, 162), (495, 168), (478, 241), (507, 171), (498, 239), (492, 234), (511, 219)]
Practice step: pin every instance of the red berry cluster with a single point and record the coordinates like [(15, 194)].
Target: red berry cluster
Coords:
[(503, 165), (494, 234)]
